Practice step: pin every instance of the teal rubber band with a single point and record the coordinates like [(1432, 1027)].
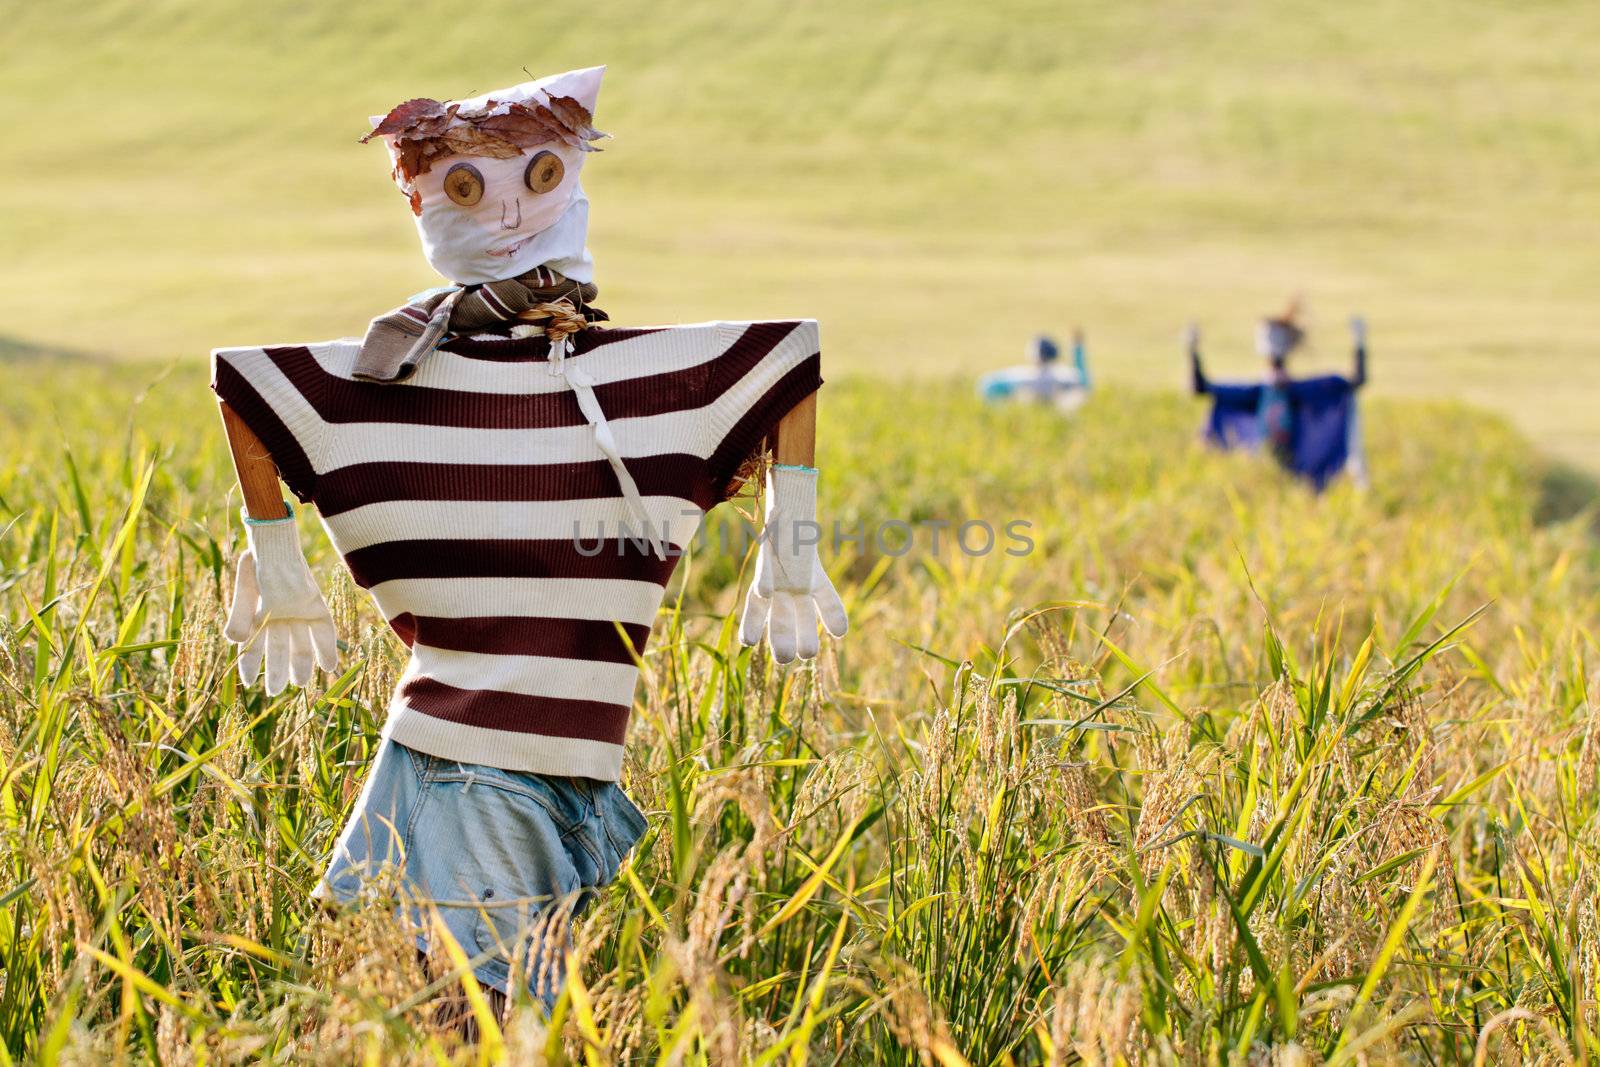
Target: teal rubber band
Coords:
[(248, 521), (794, 467)]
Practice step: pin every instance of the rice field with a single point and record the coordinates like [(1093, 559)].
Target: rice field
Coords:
[(1205, 771), (1218, 773)]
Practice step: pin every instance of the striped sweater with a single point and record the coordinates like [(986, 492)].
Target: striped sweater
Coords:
[(474, 504)]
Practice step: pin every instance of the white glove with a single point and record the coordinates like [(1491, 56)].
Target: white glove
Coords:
[(791, 590), (278, 611), (1358, 330), (1191, 336)]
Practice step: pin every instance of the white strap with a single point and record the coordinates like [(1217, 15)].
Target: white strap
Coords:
[(582, 387)]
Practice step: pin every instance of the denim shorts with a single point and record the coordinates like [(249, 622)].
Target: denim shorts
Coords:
[(490, 850)]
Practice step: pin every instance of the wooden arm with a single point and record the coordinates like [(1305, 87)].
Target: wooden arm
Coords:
[(797, 435), (258, 475)]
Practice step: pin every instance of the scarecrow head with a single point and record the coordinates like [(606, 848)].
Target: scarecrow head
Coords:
[(1044, 349), (1277, 336), (493, 180)]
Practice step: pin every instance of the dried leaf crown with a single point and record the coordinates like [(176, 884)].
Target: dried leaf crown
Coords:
[(424, 130)]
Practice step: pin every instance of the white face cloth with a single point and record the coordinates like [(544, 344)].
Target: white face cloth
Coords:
[(510, 229), (1274, 340)]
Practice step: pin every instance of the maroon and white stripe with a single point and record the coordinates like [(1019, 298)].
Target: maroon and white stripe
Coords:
[(472, 502), (417, 315), (490, 297)]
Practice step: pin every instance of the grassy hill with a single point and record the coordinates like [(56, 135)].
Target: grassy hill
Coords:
[(935, 181)]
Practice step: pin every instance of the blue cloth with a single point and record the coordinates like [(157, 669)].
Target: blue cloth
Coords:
[(1277, 422), (1321, 417), (490, 849)]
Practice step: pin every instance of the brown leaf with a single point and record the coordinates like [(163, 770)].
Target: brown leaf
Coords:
[(471, 141), (429, 152), (406, 115), (575, 117), (434, 125), (523, 125), (564, 133), (423, 130), (409, 158)]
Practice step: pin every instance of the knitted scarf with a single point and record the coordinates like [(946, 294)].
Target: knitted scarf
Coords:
[(400, 339)]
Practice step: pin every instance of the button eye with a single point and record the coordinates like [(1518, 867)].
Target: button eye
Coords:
[(463, 184), (544, 172)]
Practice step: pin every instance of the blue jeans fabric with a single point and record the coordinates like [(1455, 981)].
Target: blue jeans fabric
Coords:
[(490, 849)]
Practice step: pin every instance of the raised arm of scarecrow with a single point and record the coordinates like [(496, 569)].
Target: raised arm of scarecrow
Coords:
[(1191, 343), (1358, 337)]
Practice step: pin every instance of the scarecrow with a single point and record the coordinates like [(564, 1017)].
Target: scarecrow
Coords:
[(512, 480), (1042, 379), (1310, 425)]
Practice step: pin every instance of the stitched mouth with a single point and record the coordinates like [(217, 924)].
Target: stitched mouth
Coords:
[(513, 248)]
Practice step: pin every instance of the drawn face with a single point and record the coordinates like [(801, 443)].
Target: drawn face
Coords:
[(1275, 339), (483, 219), (479, 213)]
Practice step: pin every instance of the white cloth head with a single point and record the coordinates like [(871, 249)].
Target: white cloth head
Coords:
[(1275, 338), (510, 230)]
